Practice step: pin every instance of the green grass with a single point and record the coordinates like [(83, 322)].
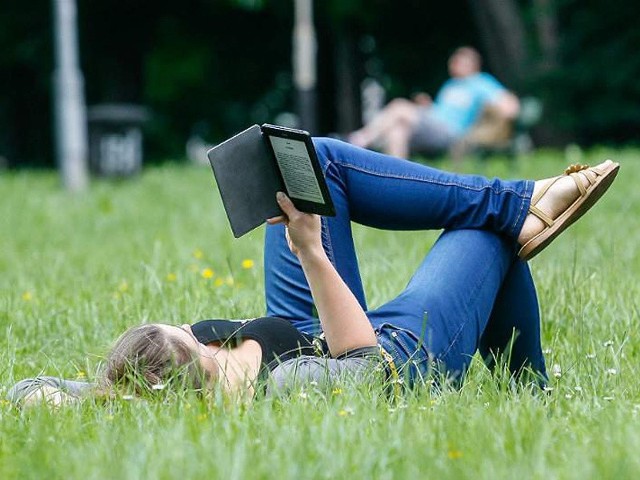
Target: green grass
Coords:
[(76, 270)]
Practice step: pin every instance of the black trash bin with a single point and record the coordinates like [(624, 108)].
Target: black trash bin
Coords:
[(115, 139)]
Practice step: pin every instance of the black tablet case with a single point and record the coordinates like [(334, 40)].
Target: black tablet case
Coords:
[(247, 179)]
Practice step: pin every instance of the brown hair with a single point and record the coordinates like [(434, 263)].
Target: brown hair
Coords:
[(146, 356)]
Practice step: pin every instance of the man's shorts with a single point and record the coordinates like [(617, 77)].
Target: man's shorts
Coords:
[(430, 135)]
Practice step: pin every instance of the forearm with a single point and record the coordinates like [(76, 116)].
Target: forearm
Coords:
[(508, 105), (345, 325), (344, 322)]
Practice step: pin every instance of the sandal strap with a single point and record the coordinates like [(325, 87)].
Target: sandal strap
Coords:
[(576, 172), (577, 179), (592, 174), (541, 215), (536, 198)]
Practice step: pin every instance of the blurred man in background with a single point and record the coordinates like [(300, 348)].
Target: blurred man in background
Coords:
[(425, 126)]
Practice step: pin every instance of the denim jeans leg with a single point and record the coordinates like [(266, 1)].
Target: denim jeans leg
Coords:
[(450, 298), (384, 192), (394, 194), (513, 331), (287, 293)]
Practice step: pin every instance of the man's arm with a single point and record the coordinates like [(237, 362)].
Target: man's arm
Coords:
[(344, 322), (507, 105)]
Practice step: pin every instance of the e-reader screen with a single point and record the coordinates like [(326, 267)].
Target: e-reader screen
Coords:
[(296, 169)]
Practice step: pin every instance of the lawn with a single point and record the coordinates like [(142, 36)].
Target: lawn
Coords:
[(76, 270)]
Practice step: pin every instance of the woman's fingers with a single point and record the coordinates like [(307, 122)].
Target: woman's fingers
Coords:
[(277, 220), (303, 229), (286, 205)]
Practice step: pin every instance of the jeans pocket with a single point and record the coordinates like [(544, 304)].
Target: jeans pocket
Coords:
[(408, 345)]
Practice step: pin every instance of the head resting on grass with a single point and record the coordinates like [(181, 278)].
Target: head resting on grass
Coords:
[(154, 356)]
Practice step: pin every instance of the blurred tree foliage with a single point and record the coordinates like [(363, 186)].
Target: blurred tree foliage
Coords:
[(215, 66), (596, 92)]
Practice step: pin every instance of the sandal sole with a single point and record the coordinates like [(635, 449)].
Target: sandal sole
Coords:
[(570, 215)]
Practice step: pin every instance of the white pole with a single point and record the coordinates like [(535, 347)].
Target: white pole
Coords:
[(70, 110), (304, 62)]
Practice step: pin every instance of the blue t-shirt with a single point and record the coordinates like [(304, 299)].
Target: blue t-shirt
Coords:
[(460, 100)]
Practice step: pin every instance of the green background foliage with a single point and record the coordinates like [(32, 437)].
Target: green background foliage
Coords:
[(213, 67)]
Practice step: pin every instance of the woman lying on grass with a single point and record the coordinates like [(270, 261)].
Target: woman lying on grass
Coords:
[(473, 291)]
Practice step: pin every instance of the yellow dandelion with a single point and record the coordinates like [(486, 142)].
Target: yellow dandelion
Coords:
[(80, 374), (123, 287), (197, 253), (345, 412), (27, 296), (247, 263), (218, 282), (171, 277), (454, 454), (207, 273), (336, 391)]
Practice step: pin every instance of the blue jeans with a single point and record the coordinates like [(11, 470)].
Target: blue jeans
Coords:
[(471, 292)]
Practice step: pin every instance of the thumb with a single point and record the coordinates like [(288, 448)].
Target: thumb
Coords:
[(285, 203)]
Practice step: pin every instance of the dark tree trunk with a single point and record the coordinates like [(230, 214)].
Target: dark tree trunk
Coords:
[(547, 36), (502, 34), (347, 83), (546, 22)]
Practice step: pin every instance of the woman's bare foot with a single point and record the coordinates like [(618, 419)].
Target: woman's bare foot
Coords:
[(553, 197)]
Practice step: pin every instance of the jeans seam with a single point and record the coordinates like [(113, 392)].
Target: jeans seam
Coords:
[(522, 207), (325, 227), (453, 341), (328, 245), (434, 182)]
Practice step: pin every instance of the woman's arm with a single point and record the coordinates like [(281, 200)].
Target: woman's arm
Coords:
[(345, 325)]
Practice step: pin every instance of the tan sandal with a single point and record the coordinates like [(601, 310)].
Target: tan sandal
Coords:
[(599, 179)]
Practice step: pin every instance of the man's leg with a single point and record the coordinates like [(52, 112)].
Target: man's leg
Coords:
[(430, 136), (397, 140), (399, 115)]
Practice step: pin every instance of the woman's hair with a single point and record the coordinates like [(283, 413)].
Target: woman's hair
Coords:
[(147, 358)]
